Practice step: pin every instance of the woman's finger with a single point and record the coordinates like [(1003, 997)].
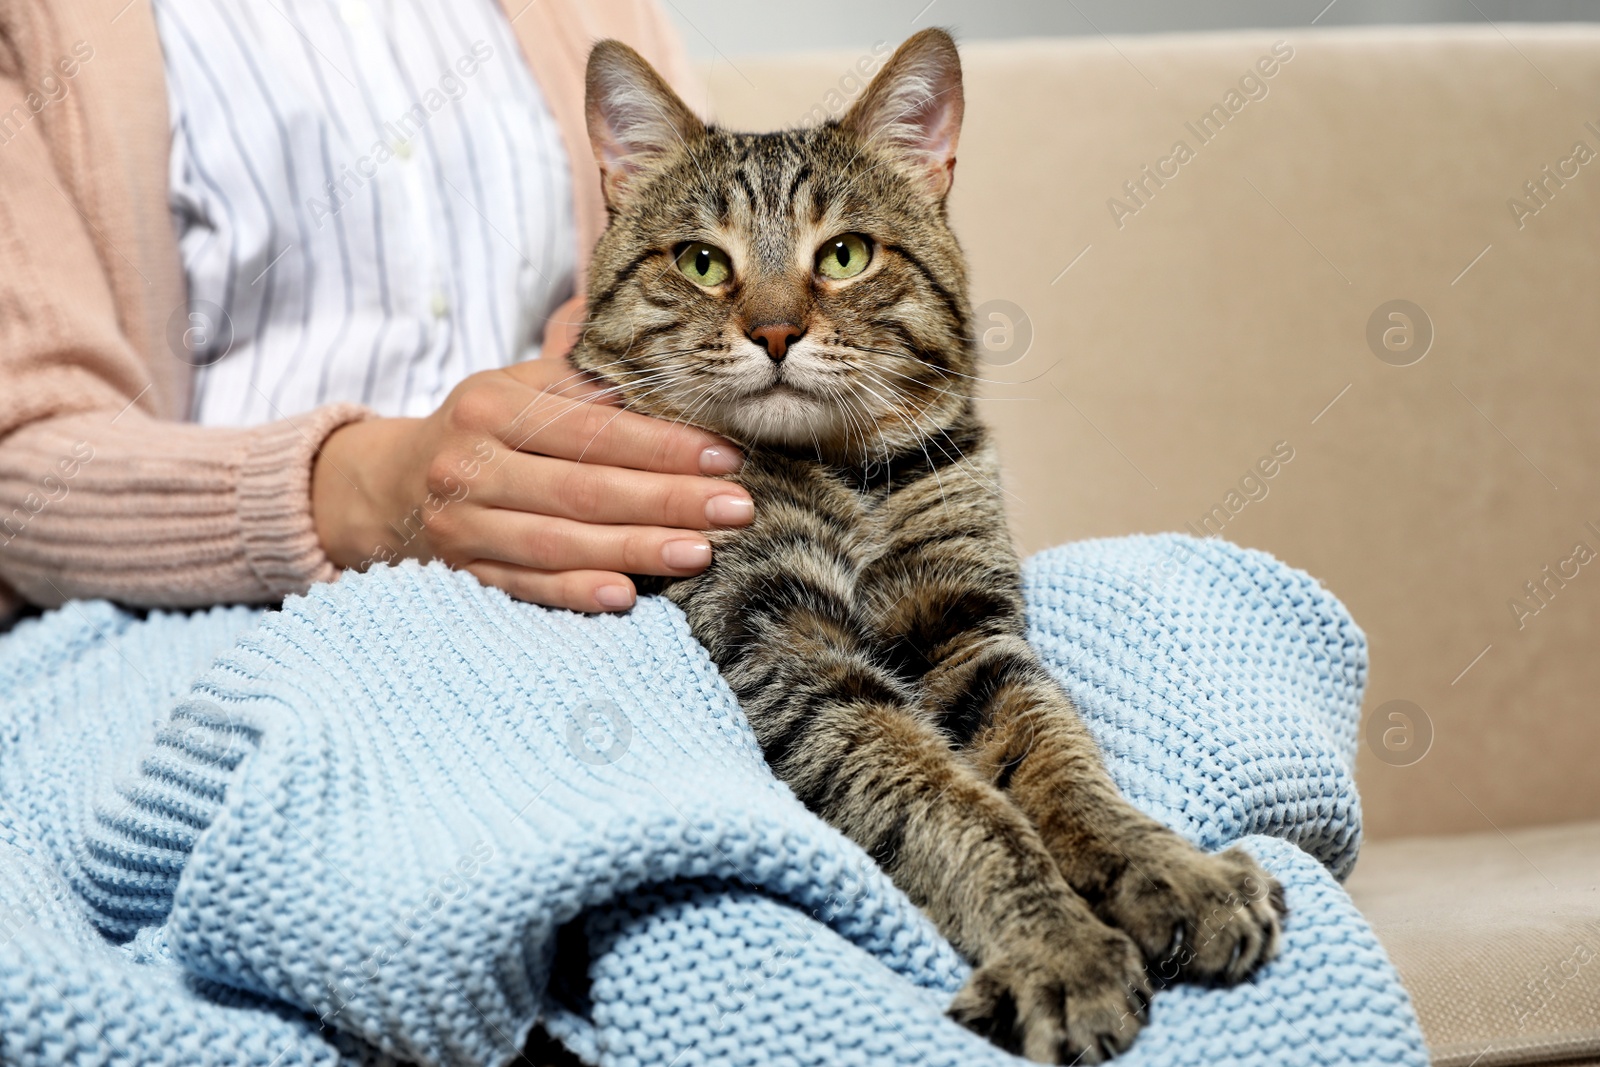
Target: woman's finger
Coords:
[(546, 543), (547, 423), (601, 434), (557, 376), (592, 591), (591, 493)]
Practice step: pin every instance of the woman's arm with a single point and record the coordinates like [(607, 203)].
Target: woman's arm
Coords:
[(156, 513), (101, 495), (98, 495)]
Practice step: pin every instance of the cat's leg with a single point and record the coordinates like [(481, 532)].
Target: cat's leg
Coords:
[(946, 597), (777, 613), (1052, 981), (1194, 916)]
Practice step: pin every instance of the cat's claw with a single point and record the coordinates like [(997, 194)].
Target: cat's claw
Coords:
[(1078, 999), (1197, 917)]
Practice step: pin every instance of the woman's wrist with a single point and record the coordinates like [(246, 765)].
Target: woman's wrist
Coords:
[(353, 489)]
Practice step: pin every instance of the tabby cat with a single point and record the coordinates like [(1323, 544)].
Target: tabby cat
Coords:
[(801, 293)]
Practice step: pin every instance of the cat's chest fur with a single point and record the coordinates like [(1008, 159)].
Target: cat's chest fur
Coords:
[(806, 512), (854, 511), (823, 533)]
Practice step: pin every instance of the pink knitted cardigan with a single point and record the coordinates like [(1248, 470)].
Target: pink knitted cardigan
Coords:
[(103, 491)]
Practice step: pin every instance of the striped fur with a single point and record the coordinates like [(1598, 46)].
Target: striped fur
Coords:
[(871, 620)]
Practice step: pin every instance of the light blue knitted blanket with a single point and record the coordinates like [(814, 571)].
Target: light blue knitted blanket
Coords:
[(406, 817)]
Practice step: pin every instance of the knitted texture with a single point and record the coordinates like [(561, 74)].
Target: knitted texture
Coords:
[(362, 827)]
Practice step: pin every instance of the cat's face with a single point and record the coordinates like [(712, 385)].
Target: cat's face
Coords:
[(785, 288)]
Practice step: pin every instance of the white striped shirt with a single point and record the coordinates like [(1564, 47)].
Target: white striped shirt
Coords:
[(372, 200)]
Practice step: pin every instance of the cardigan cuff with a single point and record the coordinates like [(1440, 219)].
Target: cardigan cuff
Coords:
[(280, 538)]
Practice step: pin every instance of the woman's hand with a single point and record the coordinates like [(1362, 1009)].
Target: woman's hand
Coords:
[(526, 477)]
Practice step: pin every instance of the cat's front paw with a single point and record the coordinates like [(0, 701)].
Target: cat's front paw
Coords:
[(1079, 997), (1196, 916)]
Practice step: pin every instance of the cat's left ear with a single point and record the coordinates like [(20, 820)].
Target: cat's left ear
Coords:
[(634, 117), (914, 107)]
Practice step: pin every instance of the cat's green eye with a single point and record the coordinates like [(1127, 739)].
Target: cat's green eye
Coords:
[(704, 264), (843, 256)]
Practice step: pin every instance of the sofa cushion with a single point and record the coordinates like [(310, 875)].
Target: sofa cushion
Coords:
[(1497, 937)]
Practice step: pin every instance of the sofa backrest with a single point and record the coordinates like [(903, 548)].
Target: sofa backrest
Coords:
[(1332, 294)]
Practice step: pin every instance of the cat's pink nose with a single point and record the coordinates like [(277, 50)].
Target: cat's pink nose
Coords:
[(776, 338)]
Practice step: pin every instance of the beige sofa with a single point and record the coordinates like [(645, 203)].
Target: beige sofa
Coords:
[(1236, 298)]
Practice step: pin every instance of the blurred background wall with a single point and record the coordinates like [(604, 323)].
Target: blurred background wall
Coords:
[(735, 28)]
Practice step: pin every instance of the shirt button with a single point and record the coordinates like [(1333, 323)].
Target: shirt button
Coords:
[(403, 149), (354, 12), (441, 305)]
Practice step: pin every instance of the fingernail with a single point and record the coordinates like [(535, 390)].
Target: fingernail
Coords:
[(719, 459), (686, 555), (614, 597), (729, 510)]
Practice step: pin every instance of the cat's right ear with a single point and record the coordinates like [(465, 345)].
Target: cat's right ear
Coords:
[(634, 117)]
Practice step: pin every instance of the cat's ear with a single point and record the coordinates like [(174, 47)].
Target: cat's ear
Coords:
[(634, 117), (914, 107)]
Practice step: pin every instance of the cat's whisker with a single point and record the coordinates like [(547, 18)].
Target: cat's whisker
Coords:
[(649, 379), (618, 415), (868, 420), (702, 389), (705, 398), (908, 354), (654, 386), (647, 356), (551, 421), (960, 461), (531, 434), (861, 416), (553, 388), (651, 375), (847, 405), (943, 389)]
